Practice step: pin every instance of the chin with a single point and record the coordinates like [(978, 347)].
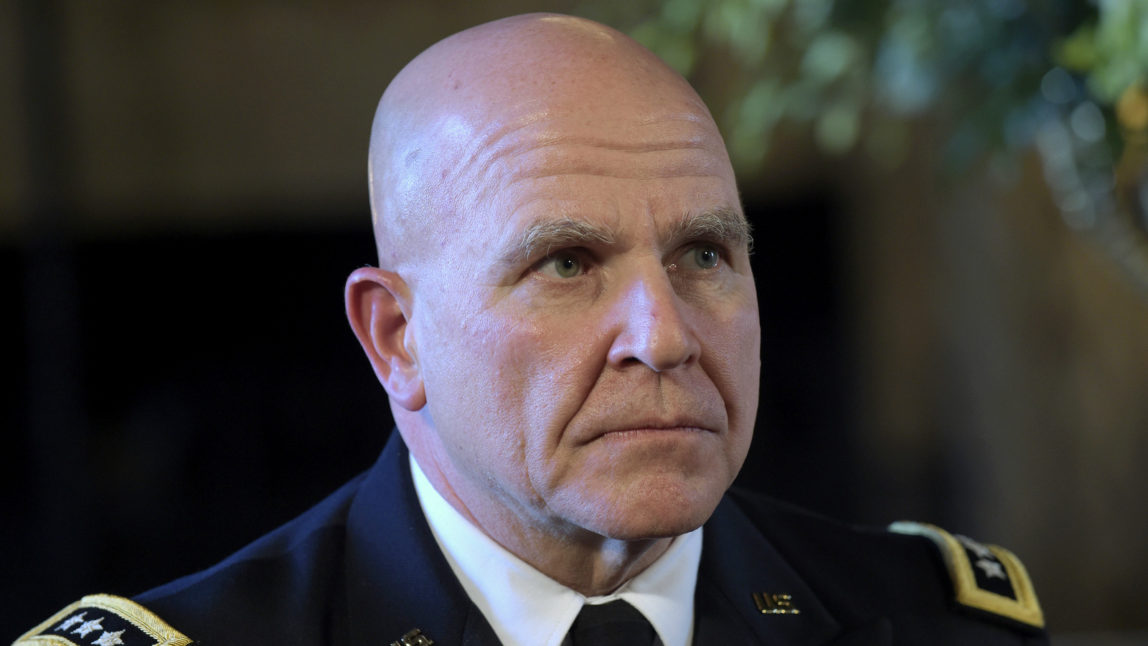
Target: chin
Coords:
[(651, 531), (657, 513)]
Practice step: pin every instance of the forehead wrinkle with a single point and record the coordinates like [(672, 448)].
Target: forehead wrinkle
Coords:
[(573, 165), (485, 146), (497, 146), (694, 143), (590, 172), (700, 138)]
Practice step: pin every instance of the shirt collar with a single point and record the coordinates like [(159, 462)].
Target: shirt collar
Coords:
[(527, 608)]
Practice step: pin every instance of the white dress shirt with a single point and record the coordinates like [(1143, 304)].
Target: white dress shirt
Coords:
[(527, 608)]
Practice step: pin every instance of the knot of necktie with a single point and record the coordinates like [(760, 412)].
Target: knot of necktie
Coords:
[(611, 624)]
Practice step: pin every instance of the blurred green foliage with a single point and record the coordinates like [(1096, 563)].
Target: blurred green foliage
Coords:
[(992, 79), (855, 72), (1111, 50)]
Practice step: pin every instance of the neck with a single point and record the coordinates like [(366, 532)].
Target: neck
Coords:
[(591, 564), (586, 562)]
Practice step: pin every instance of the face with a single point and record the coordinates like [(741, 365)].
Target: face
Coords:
[(587, 325)]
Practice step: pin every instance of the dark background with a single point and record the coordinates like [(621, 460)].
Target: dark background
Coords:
[(212, 390), (182, 194)]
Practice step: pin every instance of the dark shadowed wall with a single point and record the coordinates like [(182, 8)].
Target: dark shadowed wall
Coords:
[(182, 192)]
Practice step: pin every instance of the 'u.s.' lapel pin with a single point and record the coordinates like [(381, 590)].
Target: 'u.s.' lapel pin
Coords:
[(413, 638), (775, 604)]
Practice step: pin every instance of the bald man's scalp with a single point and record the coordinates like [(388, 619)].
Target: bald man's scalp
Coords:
[(440, 120)]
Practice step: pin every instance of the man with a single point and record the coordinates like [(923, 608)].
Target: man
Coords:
[(565, 321)]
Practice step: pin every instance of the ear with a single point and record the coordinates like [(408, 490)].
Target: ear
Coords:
[(379, 309)]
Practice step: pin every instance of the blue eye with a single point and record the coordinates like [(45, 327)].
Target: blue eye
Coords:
[(705, 256), (562, 265)]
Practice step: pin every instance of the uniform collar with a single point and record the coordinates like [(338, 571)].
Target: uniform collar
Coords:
[(741, 572), (527, 608), (396, 578)]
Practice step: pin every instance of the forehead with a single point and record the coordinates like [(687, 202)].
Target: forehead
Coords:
[(607, 167)]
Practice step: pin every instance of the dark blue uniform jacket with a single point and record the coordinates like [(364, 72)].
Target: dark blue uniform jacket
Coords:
[(362, 568)]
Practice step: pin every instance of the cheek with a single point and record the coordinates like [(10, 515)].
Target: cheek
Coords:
[(733, 361), (474, 379), (547, 366), (735, 369), (477, 362), (501, 393), (553, 359), (504, 370)]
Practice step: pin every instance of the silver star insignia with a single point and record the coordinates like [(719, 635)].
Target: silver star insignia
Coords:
[(992, 569), (71, 621), (109, 639), (976, 548), (89, 626)]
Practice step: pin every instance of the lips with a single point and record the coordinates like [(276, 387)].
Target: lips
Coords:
[(655, 427), (640, 402)]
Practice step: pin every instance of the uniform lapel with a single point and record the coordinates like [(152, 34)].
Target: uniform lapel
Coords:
[(878, 633), (397, 579), (739, 563)]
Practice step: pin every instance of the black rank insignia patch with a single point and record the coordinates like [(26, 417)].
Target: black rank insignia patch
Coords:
[(103, 620), (986, 578)]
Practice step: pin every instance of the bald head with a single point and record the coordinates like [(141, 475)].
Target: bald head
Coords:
[(563, 259), (447, 118)]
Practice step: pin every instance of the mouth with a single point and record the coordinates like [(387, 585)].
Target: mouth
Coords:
[(655, 429)]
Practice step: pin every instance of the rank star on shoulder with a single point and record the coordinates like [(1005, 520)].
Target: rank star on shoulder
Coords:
[(89, 626), (109, 639), (992, 569), (976, 548), (71, 621)]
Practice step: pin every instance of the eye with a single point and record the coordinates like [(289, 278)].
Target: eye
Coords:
[(703, 256), (563, 264)]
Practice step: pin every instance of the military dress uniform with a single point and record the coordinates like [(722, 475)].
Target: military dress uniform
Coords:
[(362, 568)]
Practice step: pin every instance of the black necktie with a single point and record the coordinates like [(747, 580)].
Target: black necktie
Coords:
[(611, 624)]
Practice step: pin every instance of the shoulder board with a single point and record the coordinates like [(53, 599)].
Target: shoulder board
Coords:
[(103, 620), (986, 578)]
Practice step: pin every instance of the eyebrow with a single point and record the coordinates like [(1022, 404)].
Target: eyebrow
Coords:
[(720, 225), (541, 237), (723, 224)]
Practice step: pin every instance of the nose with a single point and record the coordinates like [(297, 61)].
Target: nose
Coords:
[(652, 324)]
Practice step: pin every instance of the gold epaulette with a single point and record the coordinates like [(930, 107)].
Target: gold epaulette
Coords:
[(103, 620), (986, 578)]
